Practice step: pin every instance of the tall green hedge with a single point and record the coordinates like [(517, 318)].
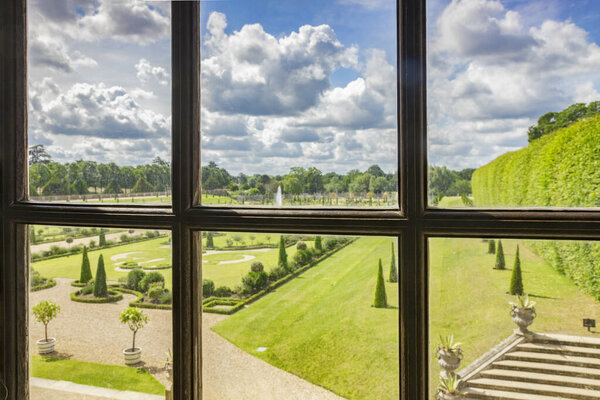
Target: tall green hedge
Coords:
[(561, 169)]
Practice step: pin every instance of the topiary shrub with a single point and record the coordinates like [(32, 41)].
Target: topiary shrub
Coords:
[(301, 246), (516, 280), (302, 257), (500, 263), (223, 291), (380, 300), (151, 277), (166, 298), (155, 292), (257, 266), (492, 247), (254, 281), (208, 288), (318, 244), (86, 272), (277, 273), (393, 270), (331, 243), (282, 259), (102, 239), (134, 278), (100, 288), (210, 244)]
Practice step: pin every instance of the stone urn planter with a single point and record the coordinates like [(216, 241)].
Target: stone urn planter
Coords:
[(449, 388), (523, 313), (132, 355), (46, 346), (449, 355), (448, 396)]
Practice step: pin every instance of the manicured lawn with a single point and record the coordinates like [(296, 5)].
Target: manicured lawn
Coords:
[(231, 274), (468, 297), (70, 266), (321, 326), (452, 202), (92, 374), (220, 240)]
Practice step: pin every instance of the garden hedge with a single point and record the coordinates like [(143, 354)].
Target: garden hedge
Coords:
[(561, 169), (113, 296), (46, 285)]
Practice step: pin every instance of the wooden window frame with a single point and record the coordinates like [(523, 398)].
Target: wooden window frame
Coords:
[(413, 222)]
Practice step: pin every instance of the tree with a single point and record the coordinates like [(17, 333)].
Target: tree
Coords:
[(38, 154), (86, 272), (135, 320), (380, 300), (257, 266), (100, 289), (32, 237), (282, 260), (44, 312), (492, 246), (102, 239), (113, 187), (318, 244), (393, 270), (516, 280), (500, 263), (209, 241), (142, 186)]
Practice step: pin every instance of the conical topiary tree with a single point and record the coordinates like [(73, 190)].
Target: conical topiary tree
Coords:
[(100, 289), (500, 263), (209, 240), (102, 239), (393, 270), (282, 261), (142, 186), (380, 300), (86, 272), (516, 280), (318, 244), (492, 247)]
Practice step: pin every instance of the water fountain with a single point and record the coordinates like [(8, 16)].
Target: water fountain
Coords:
[(278, 197)]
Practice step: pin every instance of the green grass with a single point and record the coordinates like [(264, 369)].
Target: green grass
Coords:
[(247, 238), (70, 266), (231, 274), (468, 297), (321, 326), (92, 374), (452, 202)]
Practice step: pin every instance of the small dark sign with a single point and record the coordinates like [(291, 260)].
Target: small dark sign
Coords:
[(589, 323)]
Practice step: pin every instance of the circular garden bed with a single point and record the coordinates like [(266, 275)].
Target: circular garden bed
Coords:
[(86, 295)]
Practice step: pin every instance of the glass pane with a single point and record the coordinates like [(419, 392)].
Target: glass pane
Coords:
[(299, 103), (542, 343), (299, 317), (513, 103), (99, 101), (96, 294)]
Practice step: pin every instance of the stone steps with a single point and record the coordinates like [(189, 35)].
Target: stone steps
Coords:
[(543, 378), (586, 362), (567, 340), (592, 373), (477, 393), (560, 348), (535, 388)]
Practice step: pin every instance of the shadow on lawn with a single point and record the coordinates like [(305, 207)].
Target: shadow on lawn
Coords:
[(56, 356)]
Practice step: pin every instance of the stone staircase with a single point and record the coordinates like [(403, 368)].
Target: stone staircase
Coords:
[(537, 367)]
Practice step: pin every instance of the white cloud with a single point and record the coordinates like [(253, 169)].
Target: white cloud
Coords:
[(146, 73), (252, 72), (490, 77), (93, 110)]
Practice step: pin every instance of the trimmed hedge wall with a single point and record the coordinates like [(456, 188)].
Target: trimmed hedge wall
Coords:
[(561, 169), (47, 285), (241, 303)]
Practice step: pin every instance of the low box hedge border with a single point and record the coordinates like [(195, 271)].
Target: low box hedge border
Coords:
[(46, 285), (144, 268), (79, 284), (113, 296), (140, 297), (210, 301)]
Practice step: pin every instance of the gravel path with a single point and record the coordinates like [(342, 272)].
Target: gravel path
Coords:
[(84, 241), (92, 332)]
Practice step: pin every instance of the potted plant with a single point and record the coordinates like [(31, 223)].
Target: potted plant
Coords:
[(523, 313), (135, 319), (449, 388), (44, 312), (449, 355)]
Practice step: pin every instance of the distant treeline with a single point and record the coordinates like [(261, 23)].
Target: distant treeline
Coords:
[(446, 182), (552, 121)]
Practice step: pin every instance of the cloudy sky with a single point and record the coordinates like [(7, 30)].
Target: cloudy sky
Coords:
[(310, 83)]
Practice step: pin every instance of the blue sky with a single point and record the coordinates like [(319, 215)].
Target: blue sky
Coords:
[(305, 83)]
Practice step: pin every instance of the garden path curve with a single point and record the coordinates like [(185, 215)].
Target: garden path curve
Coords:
[(92, 332)]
